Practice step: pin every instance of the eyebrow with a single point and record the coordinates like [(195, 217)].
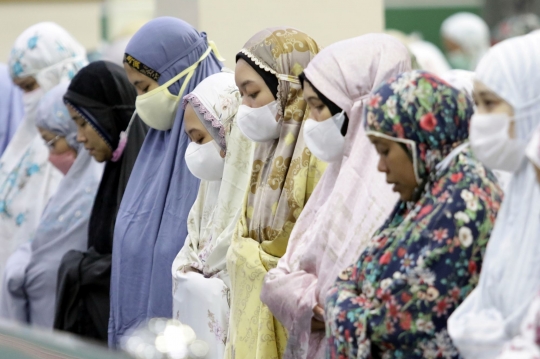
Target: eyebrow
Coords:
[(193, 130), (245, 83), (487, 93), (314, 98), (137, 82)]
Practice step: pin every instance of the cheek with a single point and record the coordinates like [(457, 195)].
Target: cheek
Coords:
[(325, 114), (480, 109), (153, 85), (93, 138), (88, 133), (247, 101), (61, 148), (401, 166), (264, 98), (318, 115), (406, 169), (206, 139)]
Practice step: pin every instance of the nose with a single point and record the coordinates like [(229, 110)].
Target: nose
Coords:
[(381, 166), (246, 101)]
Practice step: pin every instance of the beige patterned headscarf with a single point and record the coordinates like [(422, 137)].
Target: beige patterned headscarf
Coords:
[(284, 172)]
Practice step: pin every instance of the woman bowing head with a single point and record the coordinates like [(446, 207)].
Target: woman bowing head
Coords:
[(165, 60), (283, 176), (426, 258)]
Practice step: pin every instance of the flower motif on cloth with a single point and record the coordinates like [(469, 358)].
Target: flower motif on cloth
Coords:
[(394, 302), (217, 328)]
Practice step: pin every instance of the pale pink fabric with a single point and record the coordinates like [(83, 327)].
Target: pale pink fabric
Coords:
[(350, 202)]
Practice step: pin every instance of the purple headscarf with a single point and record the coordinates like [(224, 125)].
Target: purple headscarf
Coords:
[(152, 221)]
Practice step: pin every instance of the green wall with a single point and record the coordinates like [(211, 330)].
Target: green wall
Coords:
[(426, 21)]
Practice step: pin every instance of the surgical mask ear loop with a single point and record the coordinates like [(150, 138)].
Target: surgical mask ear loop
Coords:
[(123, 140)]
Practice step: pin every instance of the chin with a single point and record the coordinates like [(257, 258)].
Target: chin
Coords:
[(99, 158)]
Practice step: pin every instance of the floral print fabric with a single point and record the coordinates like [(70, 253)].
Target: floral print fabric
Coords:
[(423, 262), (526, 345)]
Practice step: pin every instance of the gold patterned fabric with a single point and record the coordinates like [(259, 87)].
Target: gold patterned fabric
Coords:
[(283, 176)]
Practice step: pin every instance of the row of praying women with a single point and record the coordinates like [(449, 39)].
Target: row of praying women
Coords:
[(313, 203)]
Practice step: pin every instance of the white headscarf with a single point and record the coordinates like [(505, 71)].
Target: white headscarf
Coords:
[(470, 32), (27, 178), (200, 279), (461, 79), (47, 52), (510, 276), (429, 57), (29, 293), (215, 101)]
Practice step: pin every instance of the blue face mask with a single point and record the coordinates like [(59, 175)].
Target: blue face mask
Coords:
[(458, 60)]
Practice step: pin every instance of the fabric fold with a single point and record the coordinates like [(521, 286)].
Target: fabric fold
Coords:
[(350, 201), (283, 176), (152, 220), (84, 276), (492, 315)]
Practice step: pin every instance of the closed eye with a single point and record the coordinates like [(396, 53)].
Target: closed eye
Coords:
[(200, 141)]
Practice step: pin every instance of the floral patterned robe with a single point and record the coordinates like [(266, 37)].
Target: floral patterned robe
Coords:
[(394, 302)]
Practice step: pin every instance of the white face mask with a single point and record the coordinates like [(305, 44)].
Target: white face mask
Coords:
[(259, 124), (204, 161), (158, 107), (491, 142), (324, 139), (31, 102)]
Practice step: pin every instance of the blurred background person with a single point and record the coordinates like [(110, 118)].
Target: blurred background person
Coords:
[(424, 54), (515, 25), (507, 94), (466, 39), (42, 57), (29, 293)]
